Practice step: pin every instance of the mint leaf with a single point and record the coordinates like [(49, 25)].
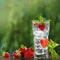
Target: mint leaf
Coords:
[(41, 19), (54, 54), (52, 44)]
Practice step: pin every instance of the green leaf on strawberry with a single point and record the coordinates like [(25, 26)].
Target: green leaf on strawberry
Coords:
[(16, 54), (22, 46)]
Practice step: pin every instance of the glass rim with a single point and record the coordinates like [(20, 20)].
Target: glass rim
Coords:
[(40, 22)]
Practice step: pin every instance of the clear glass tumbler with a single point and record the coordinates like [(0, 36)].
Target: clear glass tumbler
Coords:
[(40, 33)]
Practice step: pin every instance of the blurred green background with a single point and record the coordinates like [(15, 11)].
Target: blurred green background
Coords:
[(16, 21)]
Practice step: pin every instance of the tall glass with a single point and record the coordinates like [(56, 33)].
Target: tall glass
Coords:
[(40, 33)]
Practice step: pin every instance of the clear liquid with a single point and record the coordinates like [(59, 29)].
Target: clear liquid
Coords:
[(38, 34)]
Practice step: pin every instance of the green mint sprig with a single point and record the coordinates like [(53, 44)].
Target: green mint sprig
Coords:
[(42, 20), (51, 46)]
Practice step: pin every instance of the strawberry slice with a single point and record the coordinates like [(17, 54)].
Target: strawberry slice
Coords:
[(44, 42), (41, 26)]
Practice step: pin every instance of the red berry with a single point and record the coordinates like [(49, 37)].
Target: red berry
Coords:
[(41, 26), (22, 50), (29, 53), (44, 42), (30, 49), (6, 54), (16, 54)]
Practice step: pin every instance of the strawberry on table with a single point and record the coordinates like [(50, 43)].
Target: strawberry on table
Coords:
[(6, 55), (22, 51), (16, 54), (28, 53)]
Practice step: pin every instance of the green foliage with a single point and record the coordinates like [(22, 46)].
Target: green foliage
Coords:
[(51, 46), (54, 54)]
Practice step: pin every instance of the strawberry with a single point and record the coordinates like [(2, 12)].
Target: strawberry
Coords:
[(16, 54), (41, 26), (28, 53), (44, 42), (6, 54), (22, 50), (30, 49)]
